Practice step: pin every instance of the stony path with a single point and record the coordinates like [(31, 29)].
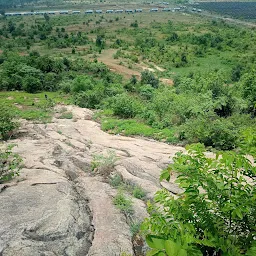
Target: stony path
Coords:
[(57, 207)]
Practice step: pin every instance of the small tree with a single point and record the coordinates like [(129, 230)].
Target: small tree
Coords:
[(100, 42), (215, 215), (147, 77)]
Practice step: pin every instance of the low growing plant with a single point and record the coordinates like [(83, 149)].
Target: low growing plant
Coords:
[(10, 163), (104, 164), (66, 115), (116, 180), (123, 203), (138, 192)]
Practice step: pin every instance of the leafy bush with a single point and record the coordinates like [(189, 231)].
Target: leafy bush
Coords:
[(219, 133), (147, 77), (7, 125), (81, 84), (65, 86), (125, 106), (31, 84), (146, 91), (216, 212), (88, 99), (10, 163)]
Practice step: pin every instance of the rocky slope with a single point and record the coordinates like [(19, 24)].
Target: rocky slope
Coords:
[(57, 206)]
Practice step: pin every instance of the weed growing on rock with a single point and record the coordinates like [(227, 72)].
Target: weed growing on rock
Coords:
[(104, 165), (123, 203), (116, 180), (138, 192), (135, 228), (10, 164)]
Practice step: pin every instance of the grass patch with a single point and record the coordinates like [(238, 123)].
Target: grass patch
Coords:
[(129, 127), (66, 115), (123, 203), (137, 191), (32, 106)]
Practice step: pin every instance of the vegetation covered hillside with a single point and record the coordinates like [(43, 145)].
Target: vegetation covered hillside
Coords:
[(175, 77), (197, 81)]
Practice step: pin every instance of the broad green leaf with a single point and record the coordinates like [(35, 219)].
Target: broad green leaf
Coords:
[(165, 175), (182, 252), (153, 252), (239, 213), (155, 242), (171, 248)]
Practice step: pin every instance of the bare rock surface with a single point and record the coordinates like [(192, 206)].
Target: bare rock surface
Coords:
[(57, 207)]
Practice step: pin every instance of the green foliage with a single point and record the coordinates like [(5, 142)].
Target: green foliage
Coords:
[(147, 77), (248, 85), (10, 163), (7, 123), (116, 180), (135, 127), (219, 133), (138, 192), (135, 228), (126, 106), (216, 212), (100, 41), (31, 84), (123, 203), (248, 141)]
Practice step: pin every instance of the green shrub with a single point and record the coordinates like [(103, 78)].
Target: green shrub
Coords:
[(10, 163), (7, 125), (215, 214), (31, 84), (126, 106), (65, 86), (147, 77), (219, 133), (146, 91), (81, 84), (88, 99)]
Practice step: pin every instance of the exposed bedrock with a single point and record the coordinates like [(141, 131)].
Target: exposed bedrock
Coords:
[(57, 207)]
